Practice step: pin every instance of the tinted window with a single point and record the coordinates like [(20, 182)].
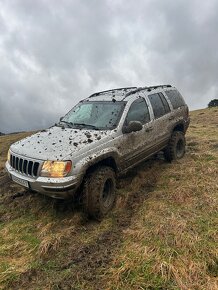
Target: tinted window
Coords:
[(138, 112), (157, 105), (165, 103), (175, 98)]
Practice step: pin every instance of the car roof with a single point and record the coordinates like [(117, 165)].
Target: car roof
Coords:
[(123, 94)]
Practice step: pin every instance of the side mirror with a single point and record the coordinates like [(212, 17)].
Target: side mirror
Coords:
[(133, 126), (61, 118)]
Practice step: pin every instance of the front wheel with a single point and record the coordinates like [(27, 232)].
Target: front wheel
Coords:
[(99, 192), (176, 147)]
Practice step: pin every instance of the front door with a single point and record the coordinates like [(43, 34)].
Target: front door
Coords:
[(133, 146)]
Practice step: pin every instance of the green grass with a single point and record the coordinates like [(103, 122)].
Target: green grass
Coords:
[(162, 233)]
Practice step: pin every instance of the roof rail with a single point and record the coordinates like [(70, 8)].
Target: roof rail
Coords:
[(102, 92), (146, 88), (159, 86), (135, 91)]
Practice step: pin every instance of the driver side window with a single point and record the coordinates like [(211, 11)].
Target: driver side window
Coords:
[(138, 111)]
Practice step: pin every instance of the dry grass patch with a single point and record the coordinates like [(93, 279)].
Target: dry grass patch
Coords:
[(161, 235)]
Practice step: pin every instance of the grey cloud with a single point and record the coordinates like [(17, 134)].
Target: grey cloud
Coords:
[(53, 53)]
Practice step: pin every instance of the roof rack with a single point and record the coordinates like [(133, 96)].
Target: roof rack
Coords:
[(146, 88), (112, 90), (133, 90)]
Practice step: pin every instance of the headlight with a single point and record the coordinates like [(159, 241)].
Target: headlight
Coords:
[(9, 156), (56, 168)]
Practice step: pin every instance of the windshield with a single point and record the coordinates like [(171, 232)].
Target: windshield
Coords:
[(95, 115)]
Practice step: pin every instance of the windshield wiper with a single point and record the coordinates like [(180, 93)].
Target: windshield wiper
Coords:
[(86, 125), (70, 124)]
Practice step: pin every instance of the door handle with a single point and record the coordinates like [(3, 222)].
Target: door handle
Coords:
[(149, 129)]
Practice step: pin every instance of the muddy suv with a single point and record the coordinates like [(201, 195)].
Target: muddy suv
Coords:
[(100, 138)]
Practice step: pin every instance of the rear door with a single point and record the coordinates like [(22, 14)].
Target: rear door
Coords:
[(161, 120)]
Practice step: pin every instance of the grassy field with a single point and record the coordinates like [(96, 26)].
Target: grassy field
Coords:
[(162, 234)]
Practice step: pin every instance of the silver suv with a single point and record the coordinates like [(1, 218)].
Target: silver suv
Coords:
[(100, 138)]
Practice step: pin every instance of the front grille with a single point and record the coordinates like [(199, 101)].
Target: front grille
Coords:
[(24, 166)]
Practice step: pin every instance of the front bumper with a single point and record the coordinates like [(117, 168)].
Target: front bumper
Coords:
[(55, 187)]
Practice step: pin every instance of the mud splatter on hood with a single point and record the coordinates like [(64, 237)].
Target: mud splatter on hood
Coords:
[(56, 143)]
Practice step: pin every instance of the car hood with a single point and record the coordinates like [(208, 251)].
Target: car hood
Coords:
[(57, 143)]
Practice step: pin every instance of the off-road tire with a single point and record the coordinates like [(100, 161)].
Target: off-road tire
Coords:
[(99, 192), (176, 147)]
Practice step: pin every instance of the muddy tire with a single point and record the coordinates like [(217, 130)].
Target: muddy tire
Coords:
[(176, 147), (99, 192)]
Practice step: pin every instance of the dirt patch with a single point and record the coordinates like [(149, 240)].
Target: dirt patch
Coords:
[(212, 268), (95, 255), (214, 146), (193, 144), (4, 179)]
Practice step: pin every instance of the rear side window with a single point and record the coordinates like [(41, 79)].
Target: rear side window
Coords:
[(165, 103), (159, 105), (138, 111), (175, 98)]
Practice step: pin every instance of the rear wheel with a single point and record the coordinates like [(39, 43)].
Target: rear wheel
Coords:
[(99, 192), (176, 147)]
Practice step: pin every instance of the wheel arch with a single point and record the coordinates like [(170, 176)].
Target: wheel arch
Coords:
[(104, 161), (179, 127)]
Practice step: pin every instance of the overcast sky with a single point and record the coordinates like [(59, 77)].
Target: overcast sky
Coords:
[(54, 53)]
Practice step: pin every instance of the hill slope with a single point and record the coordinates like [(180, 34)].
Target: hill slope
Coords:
[(161, 235)]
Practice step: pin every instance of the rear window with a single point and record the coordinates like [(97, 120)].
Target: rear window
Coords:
[(175, 98)]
